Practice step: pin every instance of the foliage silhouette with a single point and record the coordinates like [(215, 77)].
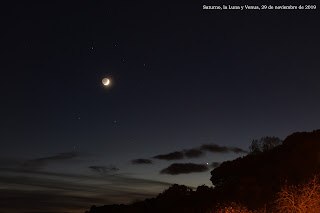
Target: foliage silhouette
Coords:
[(264, 144)]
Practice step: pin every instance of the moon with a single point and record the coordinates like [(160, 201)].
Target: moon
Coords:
[(106, 81)]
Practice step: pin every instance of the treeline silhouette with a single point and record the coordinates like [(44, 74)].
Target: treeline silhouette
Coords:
[(258, 181)]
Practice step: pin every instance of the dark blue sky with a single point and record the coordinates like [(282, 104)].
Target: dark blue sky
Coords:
[(181, 77)]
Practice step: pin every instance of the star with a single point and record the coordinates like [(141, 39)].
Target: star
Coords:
[(116, 123), (76, 147)]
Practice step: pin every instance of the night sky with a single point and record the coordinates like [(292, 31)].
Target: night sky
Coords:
[(190, 88)]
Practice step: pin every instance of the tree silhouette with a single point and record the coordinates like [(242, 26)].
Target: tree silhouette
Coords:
[(264, 144), (300, 199)]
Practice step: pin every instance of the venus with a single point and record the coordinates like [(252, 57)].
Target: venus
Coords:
[(106, 81)]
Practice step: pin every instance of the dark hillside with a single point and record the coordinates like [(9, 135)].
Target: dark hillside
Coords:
[(254, 179)]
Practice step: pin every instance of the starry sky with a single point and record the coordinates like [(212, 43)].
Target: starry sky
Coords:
[(190, 88)]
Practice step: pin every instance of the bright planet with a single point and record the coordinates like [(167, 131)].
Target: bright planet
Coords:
[(106, 81)]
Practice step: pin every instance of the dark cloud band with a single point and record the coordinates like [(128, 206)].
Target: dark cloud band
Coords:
[(221, 149), (184, 168), (170, 156), (193, 153), (199, 152), (141, 161)]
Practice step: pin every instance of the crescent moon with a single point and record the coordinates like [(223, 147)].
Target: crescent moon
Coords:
[(106, 81)]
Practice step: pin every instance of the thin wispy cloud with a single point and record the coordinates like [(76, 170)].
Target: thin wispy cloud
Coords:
[(141, 161), (41, 162), (103, 169), (71, 190)]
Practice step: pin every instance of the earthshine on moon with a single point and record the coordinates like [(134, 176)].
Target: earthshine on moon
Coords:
[(106, 81)]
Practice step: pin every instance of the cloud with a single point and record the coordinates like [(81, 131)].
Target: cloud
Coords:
[(61, 156), (30, 189), (215, 164), (184, 168), (40, 162), (73, 191), (238, 150), (170, 156), (44, 200), (22, 175), (104, 169), (221, 149), (199, 152), (141, 161), (214, 148), (193, 153)]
